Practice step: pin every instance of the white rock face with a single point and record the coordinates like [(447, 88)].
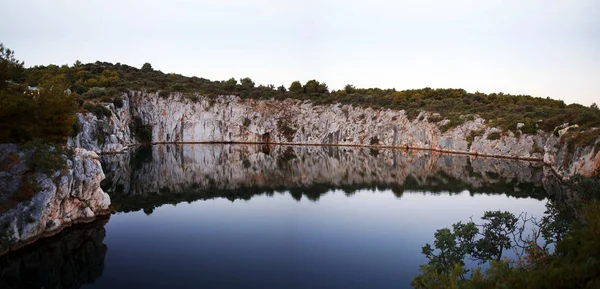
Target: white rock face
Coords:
[(223, 119), (231, 119), (56, 201), (106, 135)]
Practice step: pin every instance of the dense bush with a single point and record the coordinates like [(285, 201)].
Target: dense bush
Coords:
[(494, 135), (46, 114), (97, 109)]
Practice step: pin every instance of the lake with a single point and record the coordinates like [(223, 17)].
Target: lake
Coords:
[(251, 216)]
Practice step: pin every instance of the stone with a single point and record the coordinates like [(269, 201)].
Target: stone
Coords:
[(175, 118), (59, 201)]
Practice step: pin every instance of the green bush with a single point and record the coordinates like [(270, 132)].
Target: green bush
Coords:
[(499, 109), (435, 118), (46, 114), (97, 109), (473, 134), (494, 136)]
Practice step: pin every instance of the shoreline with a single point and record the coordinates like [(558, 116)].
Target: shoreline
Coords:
[(406, 148)]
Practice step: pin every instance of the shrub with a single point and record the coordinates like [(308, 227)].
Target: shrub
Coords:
[(97, 109), (474, 133), (94, 92), (454, 121), (494, 135), (435, 118)]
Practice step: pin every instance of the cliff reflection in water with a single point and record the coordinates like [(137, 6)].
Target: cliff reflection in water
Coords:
[(168, 174), (68, 260)]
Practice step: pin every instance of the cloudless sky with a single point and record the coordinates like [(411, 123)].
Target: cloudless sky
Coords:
[(537, 47)]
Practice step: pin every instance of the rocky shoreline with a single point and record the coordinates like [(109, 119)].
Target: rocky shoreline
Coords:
[(40, 205)]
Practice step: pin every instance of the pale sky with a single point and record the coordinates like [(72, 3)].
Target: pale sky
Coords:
[(542, 48)]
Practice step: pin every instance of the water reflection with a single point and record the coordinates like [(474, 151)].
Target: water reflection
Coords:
[(317, 217), (169, 174), (67, 260)]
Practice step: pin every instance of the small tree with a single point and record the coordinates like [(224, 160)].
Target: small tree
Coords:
[(296, 86), (10, 68), (147, 67), (247, 83), (231, 84), (350, 89)]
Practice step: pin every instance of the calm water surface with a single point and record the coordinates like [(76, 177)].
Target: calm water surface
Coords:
[(225, 216)]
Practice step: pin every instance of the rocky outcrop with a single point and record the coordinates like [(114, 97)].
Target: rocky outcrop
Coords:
[(152, 176), (34, 204), (179, 118), (107, 134)]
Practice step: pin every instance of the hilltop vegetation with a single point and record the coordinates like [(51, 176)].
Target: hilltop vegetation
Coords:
[(44, 115), (93, 83), (103, 79)]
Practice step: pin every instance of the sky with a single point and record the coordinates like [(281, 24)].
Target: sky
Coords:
[(545, 48)]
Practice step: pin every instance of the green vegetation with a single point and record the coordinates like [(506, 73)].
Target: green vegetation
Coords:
[(103, 82), (500, 109), (494, 135), (474, 133), (45, 115), (572, 226)]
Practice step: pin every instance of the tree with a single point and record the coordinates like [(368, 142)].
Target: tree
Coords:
[(247, 83), (10, 68), (496, 235), (147, 67), (350, 89), (281, 88), (488, 243), (452, 246), (296, 86), (231, 84), (313, 86)]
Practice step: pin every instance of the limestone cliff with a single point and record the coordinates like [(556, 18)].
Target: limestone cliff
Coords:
[(105, 135), (183, 118), (33, 205)]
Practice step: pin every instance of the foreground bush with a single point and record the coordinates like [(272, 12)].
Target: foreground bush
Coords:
[(575, 262)]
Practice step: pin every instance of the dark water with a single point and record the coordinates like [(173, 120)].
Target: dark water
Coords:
[(224, 216)]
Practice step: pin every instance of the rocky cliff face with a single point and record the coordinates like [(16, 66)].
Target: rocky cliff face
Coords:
[(106, 135), (180, 118), (33, 205)]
